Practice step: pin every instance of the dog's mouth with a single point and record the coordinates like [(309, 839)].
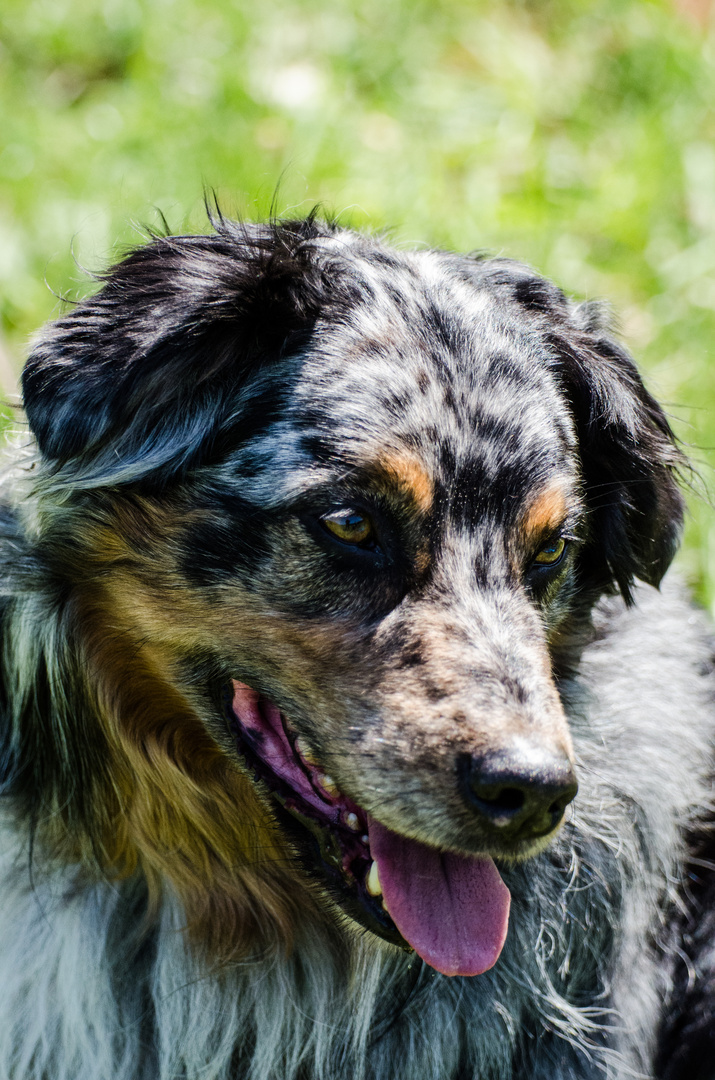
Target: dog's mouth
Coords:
[(451, 909)]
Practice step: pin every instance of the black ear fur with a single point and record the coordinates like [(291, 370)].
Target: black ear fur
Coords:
[(630, 458), (133, 380)]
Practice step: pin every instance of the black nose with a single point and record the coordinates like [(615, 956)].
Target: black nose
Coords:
[(519, 793)]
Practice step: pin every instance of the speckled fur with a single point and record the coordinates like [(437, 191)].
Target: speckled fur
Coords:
[(192, 422)]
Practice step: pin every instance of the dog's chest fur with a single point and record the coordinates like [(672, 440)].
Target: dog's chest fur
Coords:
[(586, 939)]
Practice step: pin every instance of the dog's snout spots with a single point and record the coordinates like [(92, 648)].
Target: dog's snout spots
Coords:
[(520, 793)]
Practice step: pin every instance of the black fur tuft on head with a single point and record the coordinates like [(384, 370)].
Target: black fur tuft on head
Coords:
[(134, 379)]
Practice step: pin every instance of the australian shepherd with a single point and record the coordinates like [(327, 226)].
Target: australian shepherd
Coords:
[(338, 740)]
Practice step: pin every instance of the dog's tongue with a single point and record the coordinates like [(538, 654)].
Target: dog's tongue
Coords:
[(453, 910)]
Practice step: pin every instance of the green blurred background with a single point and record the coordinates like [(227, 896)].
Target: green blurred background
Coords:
[(577, 135)]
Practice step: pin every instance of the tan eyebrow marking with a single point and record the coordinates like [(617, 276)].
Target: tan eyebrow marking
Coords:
[(410, 476), (546, 512)]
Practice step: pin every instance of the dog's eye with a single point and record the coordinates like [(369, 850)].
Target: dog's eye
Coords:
[(551, 553), (350, 526)]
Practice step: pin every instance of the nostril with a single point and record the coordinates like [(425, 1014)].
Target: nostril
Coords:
[(522, 792), (506, 801)]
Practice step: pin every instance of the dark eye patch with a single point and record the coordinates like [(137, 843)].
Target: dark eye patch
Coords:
[(352, 537), (228, 537)]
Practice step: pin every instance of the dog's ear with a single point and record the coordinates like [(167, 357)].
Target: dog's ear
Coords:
[(630, 458), (133, 380)]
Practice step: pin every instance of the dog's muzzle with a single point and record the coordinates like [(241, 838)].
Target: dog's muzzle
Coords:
[(451, 909)]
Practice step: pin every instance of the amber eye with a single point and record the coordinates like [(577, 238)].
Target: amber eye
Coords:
[(551, 553), (350, 526)]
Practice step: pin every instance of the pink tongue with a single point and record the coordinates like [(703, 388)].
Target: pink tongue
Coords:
[(453, 910)]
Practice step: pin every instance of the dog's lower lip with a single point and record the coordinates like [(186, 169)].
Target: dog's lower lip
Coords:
[(310, 806)]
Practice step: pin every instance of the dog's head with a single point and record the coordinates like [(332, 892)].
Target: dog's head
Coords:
[(322, 511)]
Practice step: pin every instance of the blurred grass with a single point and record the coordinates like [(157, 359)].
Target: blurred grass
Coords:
[(574, 134)]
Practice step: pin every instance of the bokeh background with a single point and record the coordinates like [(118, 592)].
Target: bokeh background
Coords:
[(578, 135)]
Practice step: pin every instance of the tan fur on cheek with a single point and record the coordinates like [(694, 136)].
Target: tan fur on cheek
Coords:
[(188, 815)]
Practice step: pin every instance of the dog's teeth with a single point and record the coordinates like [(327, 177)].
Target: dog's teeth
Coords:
[(352, 821), (365, 839), (304, 752), (373, 881), (328, 785)]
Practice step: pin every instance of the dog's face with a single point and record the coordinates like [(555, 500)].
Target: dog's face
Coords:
[(341, 504)]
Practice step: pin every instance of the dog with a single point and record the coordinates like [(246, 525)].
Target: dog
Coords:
[(345, 732)]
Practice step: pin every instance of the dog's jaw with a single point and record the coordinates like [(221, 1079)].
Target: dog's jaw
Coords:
[(452, 909), (329, 829)]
